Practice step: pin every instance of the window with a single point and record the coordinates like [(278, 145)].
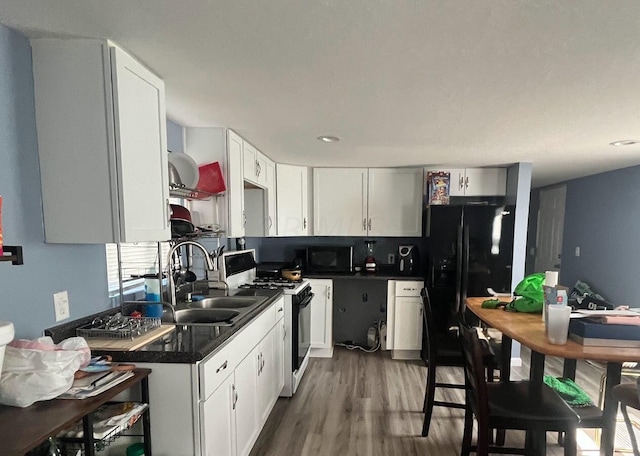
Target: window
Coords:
[(137, 259)]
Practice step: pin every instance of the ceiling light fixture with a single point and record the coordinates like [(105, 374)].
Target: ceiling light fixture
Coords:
[(624, 142), (329, 139)]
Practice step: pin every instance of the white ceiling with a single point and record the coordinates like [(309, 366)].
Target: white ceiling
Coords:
[(401, 82)]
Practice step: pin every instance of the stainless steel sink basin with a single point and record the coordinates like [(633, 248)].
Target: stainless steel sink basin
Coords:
[(227, 302), (205, 316)]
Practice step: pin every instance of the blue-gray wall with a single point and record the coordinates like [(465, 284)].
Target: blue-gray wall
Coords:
[(175, 137), (26, 292), (602, 217)]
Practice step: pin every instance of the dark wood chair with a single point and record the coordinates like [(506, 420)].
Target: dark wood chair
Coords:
[(444, 349), (521, 405), (627, 395)]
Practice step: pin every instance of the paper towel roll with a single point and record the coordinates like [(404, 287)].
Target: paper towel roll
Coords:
[(551, 278)]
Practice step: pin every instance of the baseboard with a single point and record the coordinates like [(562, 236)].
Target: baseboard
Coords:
[(405, 354), (321, 352)]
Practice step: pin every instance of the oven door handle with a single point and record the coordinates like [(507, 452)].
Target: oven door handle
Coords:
[(306, 301)]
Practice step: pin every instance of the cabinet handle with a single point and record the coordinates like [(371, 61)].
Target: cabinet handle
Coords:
[(270, 222), (466, 182), (258, 169), (460, 181), (259, 364), (284, 332), (328, 293), (304, 223), (369, 224), (168, 209), (235, 396), (244, 219), (364, 224), (280, 309), (223, 367)]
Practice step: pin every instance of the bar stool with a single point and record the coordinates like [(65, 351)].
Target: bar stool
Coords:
[(627, 395)]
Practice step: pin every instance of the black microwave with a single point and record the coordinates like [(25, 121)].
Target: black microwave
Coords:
[(323, 259)]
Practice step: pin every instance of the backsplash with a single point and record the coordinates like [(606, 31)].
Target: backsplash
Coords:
[(283, 248)]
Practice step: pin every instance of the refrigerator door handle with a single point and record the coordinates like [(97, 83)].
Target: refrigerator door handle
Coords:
[(459, 271)]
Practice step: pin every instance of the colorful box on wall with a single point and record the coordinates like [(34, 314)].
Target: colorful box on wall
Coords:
[(438, 188)]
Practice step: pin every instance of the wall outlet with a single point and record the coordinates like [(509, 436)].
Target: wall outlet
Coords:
[(61, 305), (391, 258)]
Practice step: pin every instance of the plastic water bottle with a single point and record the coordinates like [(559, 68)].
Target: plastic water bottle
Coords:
[(152, 289)]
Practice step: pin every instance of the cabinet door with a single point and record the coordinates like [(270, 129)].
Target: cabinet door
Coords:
[(246, 384), (270, 176), (321, 313), (235, 186), (261, 169), (395, 202), (291, 200), (279, 351), (249, 154), (408, 323), (217, 415), (485, 182), (266, 376), (339, 201), (457, 180), (141, 145)]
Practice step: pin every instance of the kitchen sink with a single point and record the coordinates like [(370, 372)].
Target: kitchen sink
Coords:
[(205, 316), (227, 302)]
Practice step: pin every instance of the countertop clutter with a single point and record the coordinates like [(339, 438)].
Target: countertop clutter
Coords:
[(187, 344)]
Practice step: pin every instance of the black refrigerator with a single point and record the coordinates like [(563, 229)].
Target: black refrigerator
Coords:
[(470, 249)]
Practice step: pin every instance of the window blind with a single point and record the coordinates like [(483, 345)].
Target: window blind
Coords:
[(137, 259)]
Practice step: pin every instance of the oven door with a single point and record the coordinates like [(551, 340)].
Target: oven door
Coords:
[(301, 330)]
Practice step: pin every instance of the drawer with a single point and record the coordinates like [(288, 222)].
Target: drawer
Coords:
[(408, 287), (216, 369)]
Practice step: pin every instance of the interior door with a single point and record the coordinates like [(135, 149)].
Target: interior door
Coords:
[(550, 229)]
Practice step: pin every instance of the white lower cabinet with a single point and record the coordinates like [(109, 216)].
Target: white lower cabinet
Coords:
[(218, 406), (218, 432), (322, 318), (246, 402), (404, 319)]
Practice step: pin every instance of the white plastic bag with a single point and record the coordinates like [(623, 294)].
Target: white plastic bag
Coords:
[(39, 370)]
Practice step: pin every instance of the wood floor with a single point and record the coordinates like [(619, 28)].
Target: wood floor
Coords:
[(368, 404)]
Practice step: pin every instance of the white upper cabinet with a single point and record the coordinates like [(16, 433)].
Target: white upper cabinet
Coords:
[(291, 200), (395, 202), (102, 143), (476, 181), (339, 201), (270, 176), (207, 145), (249, 156), (255, 165), (371, 202)]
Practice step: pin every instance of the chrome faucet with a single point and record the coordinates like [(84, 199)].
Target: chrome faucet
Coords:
[(209, 262)]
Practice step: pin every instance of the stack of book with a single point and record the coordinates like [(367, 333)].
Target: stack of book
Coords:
[(94, 384), (609, 328)]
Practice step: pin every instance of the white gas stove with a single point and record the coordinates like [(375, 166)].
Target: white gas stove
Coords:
[(238, 269)]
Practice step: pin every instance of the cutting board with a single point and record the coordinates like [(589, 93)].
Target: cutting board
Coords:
[(96, 343)]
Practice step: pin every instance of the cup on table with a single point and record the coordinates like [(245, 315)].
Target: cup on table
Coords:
[(558, 317)]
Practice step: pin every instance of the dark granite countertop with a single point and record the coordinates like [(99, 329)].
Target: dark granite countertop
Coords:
[(187, 344)]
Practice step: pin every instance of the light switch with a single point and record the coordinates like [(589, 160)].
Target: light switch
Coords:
[(61, 305), (577, 251)]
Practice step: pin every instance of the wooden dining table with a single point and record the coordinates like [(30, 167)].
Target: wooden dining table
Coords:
[(529, 330)]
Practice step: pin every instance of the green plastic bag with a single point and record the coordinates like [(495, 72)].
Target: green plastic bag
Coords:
[(529, 294)]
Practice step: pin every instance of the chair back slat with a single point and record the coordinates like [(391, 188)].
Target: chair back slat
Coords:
[(475, 379)]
